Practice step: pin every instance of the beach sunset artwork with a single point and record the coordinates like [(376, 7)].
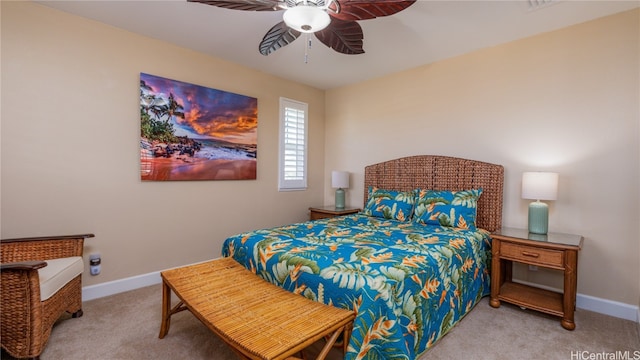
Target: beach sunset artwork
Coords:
[(191, 132)]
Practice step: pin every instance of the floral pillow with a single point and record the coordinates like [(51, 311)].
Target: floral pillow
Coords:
[(447, 208), (390, 204)]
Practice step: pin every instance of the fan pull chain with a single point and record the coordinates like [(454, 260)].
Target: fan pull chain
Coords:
[(306, 48)]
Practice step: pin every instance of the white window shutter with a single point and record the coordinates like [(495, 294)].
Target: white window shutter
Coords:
[(293, 145)]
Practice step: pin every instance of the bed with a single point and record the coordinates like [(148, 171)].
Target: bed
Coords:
[(411, 264)]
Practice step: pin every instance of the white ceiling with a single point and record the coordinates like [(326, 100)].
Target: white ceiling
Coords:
[(426, 32)]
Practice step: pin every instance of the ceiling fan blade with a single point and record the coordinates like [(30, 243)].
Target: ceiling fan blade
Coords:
[(345, 37), (251, 5), (278, 36), (364, 10)]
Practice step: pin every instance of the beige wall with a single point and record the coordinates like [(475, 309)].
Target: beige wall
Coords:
[(564, 101), (70, 145)]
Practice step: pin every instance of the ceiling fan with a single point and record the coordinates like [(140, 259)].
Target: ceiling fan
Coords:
[(332, 21)]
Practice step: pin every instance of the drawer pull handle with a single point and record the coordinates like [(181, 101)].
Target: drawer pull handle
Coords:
[(526, 253)]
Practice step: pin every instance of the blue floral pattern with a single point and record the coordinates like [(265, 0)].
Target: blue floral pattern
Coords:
[(408, 283), (390, 204), (447, 208)]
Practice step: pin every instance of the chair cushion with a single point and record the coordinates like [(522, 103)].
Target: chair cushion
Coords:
[(57, 274)]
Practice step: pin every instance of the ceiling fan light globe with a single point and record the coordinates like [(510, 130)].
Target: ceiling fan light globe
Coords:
[(306, 19)]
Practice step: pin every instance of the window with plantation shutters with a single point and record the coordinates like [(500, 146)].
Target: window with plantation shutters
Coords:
[(293, 145)]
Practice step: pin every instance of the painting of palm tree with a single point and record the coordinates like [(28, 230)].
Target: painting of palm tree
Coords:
[(191, 132)]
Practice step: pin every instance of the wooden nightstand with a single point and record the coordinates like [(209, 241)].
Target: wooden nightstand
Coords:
[(553, 251), (322, 212)]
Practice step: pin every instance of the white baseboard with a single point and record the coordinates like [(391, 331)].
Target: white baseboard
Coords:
[(607, 307), (586, 302), (119, 286), (599, 305), (127, 284)]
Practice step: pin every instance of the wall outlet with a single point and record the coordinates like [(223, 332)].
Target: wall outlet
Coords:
[(94, 263), (533, 268)]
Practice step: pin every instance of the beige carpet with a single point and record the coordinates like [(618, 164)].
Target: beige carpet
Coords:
[(126, 326)]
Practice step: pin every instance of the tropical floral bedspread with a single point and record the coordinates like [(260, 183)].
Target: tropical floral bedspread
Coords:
[(408, 283)]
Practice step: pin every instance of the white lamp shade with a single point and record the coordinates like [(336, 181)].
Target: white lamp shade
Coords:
[(306, 19), (340, 179), (540, 185)]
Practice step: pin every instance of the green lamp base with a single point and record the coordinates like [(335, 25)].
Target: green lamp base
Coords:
[(538, 217), (339, 199)]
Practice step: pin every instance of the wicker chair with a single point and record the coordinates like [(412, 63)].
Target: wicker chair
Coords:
[(29, 307)]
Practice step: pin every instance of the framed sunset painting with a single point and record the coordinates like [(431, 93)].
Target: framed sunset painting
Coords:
[(191, 132)]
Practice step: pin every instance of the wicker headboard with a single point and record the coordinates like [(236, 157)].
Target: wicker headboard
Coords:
[(443, 173)]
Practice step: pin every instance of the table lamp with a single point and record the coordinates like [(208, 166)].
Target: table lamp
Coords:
[(539, 186), (339, 181)]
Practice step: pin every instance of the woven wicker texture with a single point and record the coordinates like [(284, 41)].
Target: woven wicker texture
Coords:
[(26, 322), (443, 173), (258, 319)]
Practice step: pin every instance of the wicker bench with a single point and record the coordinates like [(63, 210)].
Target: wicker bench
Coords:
[(257, 319)]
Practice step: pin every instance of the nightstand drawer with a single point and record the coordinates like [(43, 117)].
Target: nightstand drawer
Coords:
[(324, 212), (316, 215), (532, 255)]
